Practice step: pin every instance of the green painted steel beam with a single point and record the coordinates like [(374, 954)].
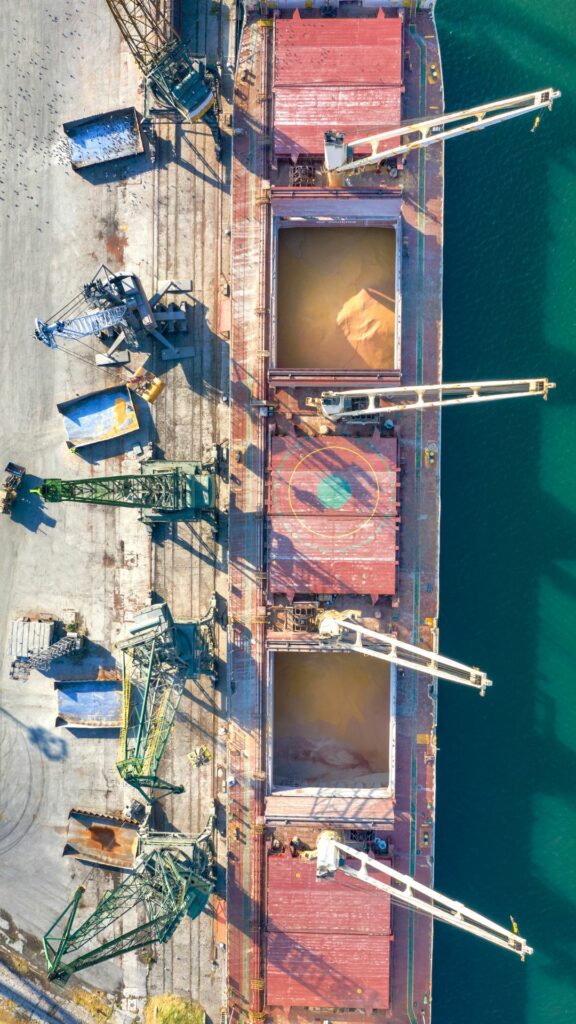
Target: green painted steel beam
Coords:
[(171, 491), (154, 676), (167, 883)]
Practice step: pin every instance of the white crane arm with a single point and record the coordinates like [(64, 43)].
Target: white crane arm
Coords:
[(354, 637), (425, 133), (419, 897), (357, 403)]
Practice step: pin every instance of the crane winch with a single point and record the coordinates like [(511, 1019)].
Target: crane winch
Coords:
[(339, 155), (155, 666), (172, 877), (332, 856), (178, 78), (339, 632), (369, 403)]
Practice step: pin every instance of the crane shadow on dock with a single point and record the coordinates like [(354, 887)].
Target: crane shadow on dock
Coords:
[(29, 509), (53, 748)]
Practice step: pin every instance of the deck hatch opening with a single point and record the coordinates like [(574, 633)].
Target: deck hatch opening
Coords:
[(336, 305), (331, 723)]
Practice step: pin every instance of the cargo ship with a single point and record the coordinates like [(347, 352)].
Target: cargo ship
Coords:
[(334, 516)]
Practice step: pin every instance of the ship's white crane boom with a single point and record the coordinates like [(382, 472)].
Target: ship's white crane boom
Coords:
[(359, 403), (415, 895), (420, 134), (351, 636)]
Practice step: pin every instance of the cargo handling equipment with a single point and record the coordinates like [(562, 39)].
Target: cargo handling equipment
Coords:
[(155, 666), (184, 82), (173, 876), (13, 477), (164, 492)]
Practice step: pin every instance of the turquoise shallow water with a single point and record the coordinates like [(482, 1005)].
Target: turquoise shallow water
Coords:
[(506, 837)]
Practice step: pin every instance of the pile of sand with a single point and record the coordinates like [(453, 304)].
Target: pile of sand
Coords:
[(336, 289)]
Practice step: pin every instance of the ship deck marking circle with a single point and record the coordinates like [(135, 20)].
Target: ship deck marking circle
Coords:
[(325, 448)]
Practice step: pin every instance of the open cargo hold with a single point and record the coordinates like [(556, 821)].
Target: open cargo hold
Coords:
[(95, 704), (331, 721), (99, 416), (336, 298), (103, 137)]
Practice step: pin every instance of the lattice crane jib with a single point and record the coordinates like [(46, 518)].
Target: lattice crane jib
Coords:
[(144, 28), (179, 79), (154, 676), (162, 491), (167, 883)]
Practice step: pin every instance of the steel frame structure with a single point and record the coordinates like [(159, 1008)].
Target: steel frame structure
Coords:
[(82, 326), (177, 77), (421, 898), (154, 490), (163, 491), (145, 31), (167, 882), (154, 676), (358, 403), (432, 130)]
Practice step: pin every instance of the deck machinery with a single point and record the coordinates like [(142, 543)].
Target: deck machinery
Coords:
[(164, 492)]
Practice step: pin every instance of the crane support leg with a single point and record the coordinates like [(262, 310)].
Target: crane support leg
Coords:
[(412, 894)]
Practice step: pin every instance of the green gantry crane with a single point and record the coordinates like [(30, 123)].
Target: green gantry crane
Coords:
[(168, 882), (164, 492), (154, 673)]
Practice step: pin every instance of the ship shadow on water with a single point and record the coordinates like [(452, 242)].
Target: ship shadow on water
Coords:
[(504, 538)]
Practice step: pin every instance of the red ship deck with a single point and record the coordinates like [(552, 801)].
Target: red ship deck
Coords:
[(332, 505), (255, 815), (314, 928), (340, 74)]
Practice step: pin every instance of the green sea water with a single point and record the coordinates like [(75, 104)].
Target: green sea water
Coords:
[(506, 833)]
